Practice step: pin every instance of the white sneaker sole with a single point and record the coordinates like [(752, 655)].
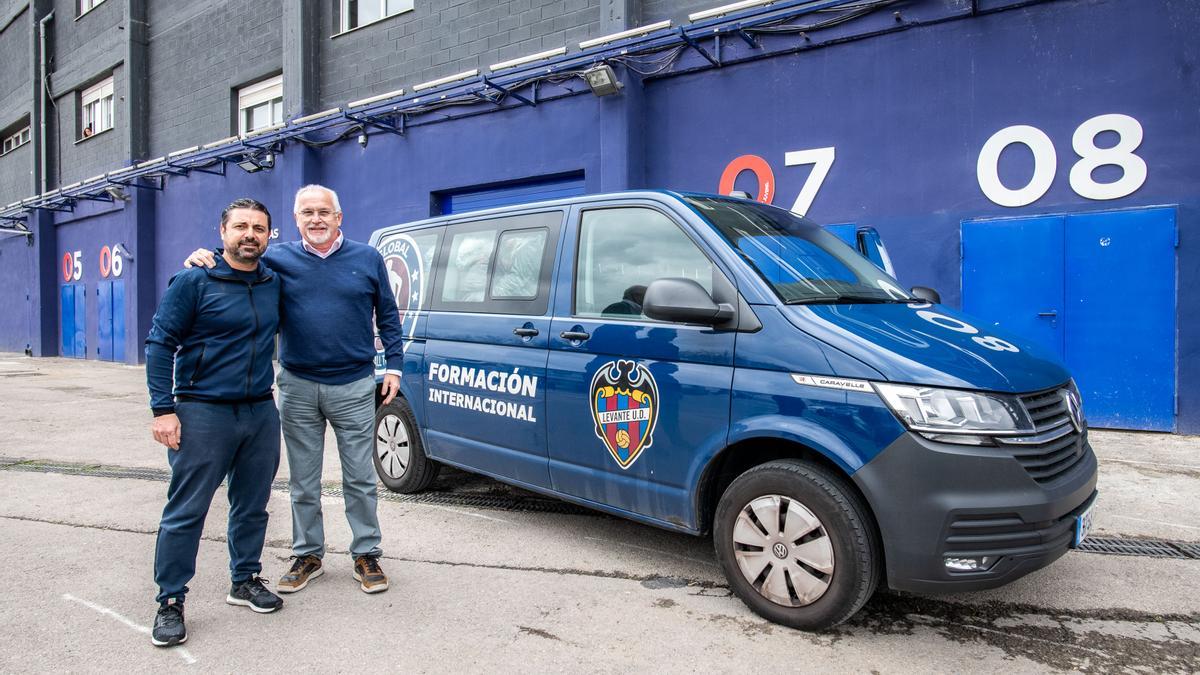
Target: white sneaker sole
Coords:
[(246, 603), (292, 589), (168, 643), (378, 589)]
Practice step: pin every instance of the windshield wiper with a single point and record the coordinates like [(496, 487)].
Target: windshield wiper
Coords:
[(847, 299)]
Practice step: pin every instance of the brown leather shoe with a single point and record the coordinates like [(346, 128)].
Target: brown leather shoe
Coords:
[(304, 569), (369, 575)]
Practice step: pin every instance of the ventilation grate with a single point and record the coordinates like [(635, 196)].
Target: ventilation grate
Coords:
[(1149, 548)]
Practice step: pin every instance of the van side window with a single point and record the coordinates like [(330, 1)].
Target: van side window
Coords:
[(499, 265), (518, 264), (623, 250), (467, 267)]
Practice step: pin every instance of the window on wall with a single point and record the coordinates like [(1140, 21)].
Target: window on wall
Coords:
[(16, 139), (260, 105), (355, 13), (96, 104), (86, 6)]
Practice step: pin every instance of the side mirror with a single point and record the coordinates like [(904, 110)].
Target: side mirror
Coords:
[(926, 294), (683, 301)]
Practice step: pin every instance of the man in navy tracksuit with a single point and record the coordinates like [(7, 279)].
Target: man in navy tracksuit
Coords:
[(214, 333)]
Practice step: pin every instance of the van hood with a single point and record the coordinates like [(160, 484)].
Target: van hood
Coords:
[(932, 345)]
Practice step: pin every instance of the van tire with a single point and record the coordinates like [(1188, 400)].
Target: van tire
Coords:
[(845, 537), (396, 432)]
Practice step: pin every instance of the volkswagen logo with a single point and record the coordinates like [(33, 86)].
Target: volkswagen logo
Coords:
[(1071, 401), (779, 550)]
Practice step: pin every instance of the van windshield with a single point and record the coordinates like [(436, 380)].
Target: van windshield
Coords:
[(802, 262)]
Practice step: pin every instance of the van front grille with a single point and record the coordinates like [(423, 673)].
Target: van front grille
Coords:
[(1056, 446)]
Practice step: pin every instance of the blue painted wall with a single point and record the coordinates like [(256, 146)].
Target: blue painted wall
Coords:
[(907, 112)]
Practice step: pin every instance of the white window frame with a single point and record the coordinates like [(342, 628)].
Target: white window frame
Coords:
[(254, 95), (16, 140), (96, 109), (344, 13), (86, 6)]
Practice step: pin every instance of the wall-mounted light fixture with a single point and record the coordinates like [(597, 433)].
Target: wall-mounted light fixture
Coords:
[(116, 193), (602, 80), (257, 162)]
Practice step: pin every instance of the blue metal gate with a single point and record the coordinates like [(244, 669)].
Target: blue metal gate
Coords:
[(475, 200), (1098, 289), (73, 322), (111, 314)]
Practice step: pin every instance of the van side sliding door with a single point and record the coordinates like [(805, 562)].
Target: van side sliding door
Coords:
[(485, 350)]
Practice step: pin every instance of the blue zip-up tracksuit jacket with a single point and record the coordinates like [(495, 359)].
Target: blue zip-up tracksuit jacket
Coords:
[(219, 332)]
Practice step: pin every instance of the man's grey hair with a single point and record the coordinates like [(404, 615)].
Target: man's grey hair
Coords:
[(337, 205)]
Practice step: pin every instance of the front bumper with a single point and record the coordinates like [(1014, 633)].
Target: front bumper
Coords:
[(935, 500)]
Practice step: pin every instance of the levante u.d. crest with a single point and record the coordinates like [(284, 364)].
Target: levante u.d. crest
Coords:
[(624, 400)]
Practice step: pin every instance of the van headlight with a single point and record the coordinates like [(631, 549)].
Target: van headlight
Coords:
[(954, 416)]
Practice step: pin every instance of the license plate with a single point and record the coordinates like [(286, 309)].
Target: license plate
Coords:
[(1083, 525)]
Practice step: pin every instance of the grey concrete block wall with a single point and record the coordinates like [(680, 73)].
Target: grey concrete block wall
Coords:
[(16, 94), (83, 158), (200, 53), (444, 37), (676, 10), (16, 174), (87, 49)]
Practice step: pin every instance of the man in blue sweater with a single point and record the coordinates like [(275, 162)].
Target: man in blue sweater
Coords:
[(212, 336), (327, 350)]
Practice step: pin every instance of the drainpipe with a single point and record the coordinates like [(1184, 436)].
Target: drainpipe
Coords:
[(42, 94)]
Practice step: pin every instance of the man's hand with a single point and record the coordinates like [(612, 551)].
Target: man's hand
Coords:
[(166, 430), (391, 387), (201, 257)]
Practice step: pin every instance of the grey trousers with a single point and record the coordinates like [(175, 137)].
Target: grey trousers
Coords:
[(304, 408)]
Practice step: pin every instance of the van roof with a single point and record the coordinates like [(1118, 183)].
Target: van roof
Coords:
[(656, 195)]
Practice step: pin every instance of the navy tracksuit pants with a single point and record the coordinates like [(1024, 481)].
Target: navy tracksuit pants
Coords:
[(218, 440)]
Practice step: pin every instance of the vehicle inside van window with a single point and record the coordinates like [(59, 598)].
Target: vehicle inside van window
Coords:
[(623, 250), (802, 263), (467, 267), (518, 264)]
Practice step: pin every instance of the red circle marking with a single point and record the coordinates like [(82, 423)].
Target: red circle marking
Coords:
[(105, 261), (67, 267), (762, 171)]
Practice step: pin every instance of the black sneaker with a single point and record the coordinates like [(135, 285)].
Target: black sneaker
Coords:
[(251, 593), (168, 624)]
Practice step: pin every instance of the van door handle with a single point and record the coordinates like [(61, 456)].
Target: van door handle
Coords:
[(575, 335), (525, 332), (1052, 313)]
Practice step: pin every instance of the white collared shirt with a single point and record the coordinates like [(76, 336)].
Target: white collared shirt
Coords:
[(337, 243)]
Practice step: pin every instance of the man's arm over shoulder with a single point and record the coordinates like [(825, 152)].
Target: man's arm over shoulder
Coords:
[(171, 325), (387, 318)]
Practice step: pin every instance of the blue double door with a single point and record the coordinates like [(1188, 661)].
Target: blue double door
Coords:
[(1099, 290), (110, 315)]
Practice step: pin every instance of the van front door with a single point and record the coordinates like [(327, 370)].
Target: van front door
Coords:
[(634, 405)]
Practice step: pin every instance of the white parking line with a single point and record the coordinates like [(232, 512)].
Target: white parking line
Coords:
[(469, 513), (708, 563), (1137, 461), (1147, 520), (183, 653)]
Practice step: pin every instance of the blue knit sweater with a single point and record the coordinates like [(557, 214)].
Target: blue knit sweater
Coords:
[(325, 314)]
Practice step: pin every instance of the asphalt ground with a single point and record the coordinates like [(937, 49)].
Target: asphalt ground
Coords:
[(485, 577)]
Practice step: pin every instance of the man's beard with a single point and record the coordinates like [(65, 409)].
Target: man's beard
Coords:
[(319, 238), (237, 254)]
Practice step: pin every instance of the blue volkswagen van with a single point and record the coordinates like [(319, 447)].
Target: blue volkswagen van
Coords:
[(710, 364)]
